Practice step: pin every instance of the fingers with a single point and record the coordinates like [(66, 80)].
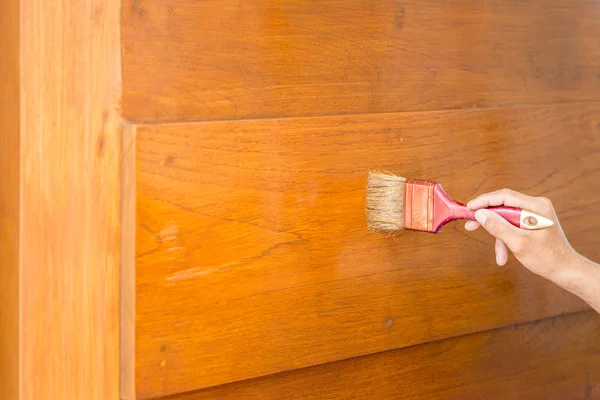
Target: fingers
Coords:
[(500, 248), (501, 229), (501, 253), (506, 197), (471, 225)]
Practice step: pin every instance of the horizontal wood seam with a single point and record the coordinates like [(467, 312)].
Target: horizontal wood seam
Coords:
[(143, 123)]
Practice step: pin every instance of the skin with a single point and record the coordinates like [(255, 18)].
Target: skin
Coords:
[(545, 252)]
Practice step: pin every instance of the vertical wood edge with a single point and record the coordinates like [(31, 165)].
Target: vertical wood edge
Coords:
[(9, 199), (128, 198), (70, 88)]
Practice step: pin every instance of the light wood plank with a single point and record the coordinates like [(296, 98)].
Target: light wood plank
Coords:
[(70, 199), (232, 59), (9, 199), (551, 359), (253, 255)]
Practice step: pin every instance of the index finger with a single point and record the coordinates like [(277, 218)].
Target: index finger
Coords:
[(504, 197)]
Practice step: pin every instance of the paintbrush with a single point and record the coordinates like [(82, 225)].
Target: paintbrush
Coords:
[(395, 203)]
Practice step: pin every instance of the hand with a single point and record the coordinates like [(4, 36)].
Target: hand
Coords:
[(545, 252)]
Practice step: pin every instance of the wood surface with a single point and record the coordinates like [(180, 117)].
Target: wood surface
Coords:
[(231, 59), (69, 92), (9, 199), (127, 280), (550, 359), (253, 255)]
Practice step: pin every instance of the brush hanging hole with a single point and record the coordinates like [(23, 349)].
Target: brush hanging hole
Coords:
[(531, 221)]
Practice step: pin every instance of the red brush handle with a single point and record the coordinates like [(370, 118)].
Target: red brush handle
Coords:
[(511, 214), (428, 208), (447, 210)]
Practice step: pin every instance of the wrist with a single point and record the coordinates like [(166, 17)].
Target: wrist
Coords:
[(568, 273)]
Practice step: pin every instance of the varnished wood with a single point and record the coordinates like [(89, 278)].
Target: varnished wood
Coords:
[(550, 359), (9, 199), (127, 315), (232, 59), (253, 255), (59, 195)]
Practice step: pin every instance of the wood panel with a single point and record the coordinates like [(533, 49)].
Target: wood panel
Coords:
[(232, 59), (69, 216), (253, 255), (549, 359), (9, 199)]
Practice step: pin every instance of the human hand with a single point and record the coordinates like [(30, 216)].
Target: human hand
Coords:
[(545, 252)]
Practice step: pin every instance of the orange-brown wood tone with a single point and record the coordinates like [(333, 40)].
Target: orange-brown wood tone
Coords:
[(9, 199), (551, 359), (253, 255), (60, 86), (127, 281), (236, 208), (232, 59)]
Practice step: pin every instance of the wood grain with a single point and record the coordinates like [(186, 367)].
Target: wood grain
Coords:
[(550, 359), (127, 280), (9, 199), (232, 59), (253, 255), (70, 206)]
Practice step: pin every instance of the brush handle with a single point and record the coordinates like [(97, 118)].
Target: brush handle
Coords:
[(428, 208), (518, 217), (448, 210), (511, 214)]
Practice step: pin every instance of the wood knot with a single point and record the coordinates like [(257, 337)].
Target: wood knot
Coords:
[(400, 18), (100, 145)]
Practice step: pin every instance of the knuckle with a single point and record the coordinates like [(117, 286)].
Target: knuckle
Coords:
[(519, 245), (545, 204)]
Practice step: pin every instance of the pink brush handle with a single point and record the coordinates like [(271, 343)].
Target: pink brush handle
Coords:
[(446, 210), (511, 214), (428, 208)]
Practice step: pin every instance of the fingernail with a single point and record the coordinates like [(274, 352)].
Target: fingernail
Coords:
[(498, 259), (480, 216)]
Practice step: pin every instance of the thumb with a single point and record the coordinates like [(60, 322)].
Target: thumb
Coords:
[(499, 227)]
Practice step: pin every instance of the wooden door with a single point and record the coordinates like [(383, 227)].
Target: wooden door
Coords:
[(219, 150)]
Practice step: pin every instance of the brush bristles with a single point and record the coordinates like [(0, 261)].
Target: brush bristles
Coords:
[(385, 202)]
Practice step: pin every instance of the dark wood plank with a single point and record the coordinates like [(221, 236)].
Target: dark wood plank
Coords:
[(550, 359), (253, 255), (232, 59)]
